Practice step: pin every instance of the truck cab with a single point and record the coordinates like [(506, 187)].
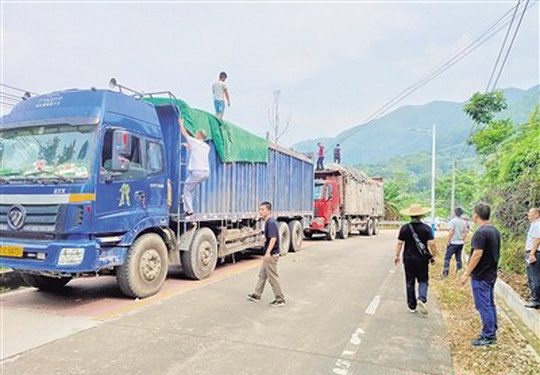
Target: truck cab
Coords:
[(327, 202), (82, 177)]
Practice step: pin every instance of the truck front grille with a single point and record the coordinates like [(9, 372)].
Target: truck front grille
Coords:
[(40, 220)]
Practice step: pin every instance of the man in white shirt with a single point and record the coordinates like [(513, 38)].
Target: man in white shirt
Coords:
[(220, 92), (456, 238), (532, 257), (198, 166)]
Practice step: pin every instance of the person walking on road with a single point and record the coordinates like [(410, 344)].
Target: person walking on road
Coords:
[(220, 92), (337, 154), (418, 245), (532, 257), (198, 166), (320, 157), (456, 239), (268, 269), (482, 268)]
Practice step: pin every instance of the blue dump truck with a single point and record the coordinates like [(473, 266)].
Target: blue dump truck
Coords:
[(91, 183)]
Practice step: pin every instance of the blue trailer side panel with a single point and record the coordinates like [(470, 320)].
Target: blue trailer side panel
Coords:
[(234, 190)]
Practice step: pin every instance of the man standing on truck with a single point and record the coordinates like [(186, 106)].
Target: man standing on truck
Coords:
[(416, 240), (337, 154), (220, 92), (198, 166), (320, 156), (271, 256)]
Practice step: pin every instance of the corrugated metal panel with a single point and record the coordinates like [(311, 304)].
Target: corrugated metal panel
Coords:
[(234, 190)]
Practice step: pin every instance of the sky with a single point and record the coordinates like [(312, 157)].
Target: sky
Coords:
[(334, 63)]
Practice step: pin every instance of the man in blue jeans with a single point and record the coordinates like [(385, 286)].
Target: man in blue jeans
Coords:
[(482, 268), (456, 238)]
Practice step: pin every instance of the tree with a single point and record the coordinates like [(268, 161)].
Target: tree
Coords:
[(483, 107)]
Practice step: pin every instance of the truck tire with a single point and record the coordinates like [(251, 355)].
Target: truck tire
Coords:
[(297, 236), (369, 228), (200, 261), (50, 284), (345, 229), (375, 227), (332, 231), (284, 238), (145, 267)]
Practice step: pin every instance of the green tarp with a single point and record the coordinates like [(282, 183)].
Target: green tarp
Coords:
[(232, 142)]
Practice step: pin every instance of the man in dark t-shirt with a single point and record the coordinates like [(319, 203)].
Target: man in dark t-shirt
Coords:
[(482, 268), (271, 256), (415, 263)]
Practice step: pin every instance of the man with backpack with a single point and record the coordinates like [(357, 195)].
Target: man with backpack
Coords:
[(418, 245)]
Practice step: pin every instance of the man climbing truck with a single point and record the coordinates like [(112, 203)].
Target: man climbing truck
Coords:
[(91, 184), (346, 201)]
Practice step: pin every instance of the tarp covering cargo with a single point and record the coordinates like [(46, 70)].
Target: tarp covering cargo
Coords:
[(233, 144)]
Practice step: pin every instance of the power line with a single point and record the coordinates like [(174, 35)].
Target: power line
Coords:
[(503, 45), (17, 89), (8, 95), (7, 104), (475, 127), (511, 44), (441, 68)]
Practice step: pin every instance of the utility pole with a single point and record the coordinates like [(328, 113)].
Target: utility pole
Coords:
[(433, 145), (453, 199)]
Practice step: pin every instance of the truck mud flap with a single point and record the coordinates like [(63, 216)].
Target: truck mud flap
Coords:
[(185, 240)]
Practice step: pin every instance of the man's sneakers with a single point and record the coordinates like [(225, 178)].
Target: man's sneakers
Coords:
[(532, 305), (421, 306), (278, 303), (412, 311), (254, 297), (483, 341)]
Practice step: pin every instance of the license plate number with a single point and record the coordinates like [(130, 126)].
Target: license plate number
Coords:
[(11, 251)]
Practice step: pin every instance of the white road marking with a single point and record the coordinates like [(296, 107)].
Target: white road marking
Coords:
[(343, 365), (372, 308)]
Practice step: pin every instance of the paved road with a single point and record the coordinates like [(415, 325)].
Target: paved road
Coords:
[(346, 314)]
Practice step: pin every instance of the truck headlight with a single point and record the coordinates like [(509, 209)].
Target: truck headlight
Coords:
[(70, 256)]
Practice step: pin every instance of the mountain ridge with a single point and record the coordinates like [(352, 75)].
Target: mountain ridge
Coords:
[(372, 145)]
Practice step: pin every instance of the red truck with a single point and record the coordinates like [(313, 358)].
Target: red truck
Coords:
[(346, 201)]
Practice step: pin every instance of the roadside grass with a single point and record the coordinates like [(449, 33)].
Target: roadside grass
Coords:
[(511, 356)]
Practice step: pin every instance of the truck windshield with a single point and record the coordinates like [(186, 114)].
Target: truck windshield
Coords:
[(318, 191), (62, 152)]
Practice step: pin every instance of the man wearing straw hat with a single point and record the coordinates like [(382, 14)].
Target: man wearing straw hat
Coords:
[(416, 240)]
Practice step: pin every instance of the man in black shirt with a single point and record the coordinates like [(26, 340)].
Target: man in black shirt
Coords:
[(271, 255), (482, 268), (416, 263)]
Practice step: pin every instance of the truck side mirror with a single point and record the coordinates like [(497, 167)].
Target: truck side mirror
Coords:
[(121, 150)]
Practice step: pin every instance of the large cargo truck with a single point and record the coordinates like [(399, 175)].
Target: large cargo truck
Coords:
[(91, 183), (346, 201)]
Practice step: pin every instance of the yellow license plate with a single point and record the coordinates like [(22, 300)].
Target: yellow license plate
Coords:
[(11, 251)]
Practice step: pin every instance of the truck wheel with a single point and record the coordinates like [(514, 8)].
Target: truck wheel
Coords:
[(200, 261), (345, 229), (375, 227), (297, 236), (369, 228), (284, 238), (50, 284), (332, 231), (145, 268)]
